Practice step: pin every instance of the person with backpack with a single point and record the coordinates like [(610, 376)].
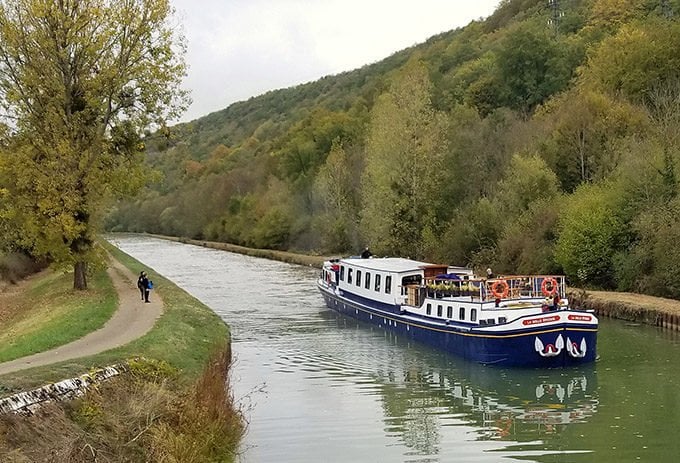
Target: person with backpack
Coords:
[(145, 285), (140, 283)]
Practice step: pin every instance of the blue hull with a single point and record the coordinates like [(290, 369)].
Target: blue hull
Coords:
[(516, 348)]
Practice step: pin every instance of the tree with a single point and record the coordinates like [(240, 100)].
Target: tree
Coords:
[(404, 163), (637, 60), (532, 65), (586, 126), (334, 188), (528, 180), (591, 231), (80, 80)]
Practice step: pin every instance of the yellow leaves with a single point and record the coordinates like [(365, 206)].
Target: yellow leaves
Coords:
[(84, 79), (636, 59), (611, 14)]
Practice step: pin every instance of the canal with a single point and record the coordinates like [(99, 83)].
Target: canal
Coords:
[(317, 387)]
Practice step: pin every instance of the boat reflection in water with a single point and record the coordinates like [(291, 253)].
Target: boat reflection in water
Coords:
[(555, 401), (435, 392)]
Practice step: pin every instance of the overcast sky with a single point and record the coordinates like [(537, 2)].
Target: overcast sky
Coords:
[(243, 48)]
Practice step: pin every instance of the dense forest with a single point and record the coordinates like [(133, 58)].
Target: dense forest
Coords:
[(544, 138)]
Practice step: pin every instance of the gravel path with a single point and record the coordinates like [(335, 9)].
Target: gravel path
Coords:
[(133, 319)]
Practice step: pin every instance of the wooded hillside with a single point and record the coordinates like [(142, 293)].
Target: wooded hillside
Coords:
[(537, 140)]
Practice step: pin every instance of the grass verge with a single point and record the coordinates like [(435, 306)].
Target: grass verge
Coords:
[(271, 254), (184, 337), (176, 405), (50, 313)]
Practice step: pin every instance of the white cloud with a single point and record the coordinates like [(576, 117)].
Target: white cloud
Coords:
[(243, 48)]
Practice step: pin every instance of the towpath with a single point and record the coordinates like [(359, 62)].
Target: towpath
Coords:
[(132, 319)]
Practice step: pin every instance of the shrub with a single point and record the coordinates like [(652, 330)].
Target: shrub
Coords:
[(16, 266)]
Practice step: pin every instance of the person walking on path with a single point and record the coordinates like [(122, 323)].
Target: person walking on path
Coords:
[(140, 283), (147, 285)]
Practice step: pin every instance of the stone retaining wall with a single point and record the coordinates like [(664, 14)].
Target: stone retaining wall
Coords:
[(27, 402), (626, 311)]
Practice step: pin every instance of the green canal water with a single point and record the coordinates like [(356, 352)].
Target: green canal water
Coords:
[(317, 387)]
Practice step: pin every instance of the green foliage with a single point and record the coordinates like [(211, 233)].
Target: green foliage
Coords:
[(151, 369), (527, 243), (305, 145), (473, 230), (528, 179), (590, 233), (512, 142), (532, 65), (656, 252), (334, 189), (81, 81), (638, 58), (586, 128), (405, 151), (272, 230)]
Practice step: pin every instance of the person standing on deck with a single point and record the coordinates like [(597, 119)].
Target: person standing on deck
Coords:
[(556, 302)]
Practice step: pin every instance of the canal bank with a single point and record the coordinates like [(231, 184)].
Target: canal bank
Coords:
[(638, 308), (170, 404)]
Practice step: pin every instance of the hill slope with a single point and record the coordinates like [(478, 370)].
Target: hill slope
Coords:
[(528, 141)]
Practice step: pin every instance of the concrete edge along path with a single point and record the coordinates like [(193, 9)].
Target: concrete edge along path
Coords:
[(131, 320)]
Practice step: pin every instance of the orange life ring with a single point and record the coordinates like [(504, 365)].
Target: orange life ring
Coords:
[(500, 288), (553, 286)]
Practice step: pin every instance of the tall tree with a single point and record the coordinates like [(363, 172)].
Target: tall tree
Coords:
[(532, 65), (334, 186), (404, 161), (79, 82)]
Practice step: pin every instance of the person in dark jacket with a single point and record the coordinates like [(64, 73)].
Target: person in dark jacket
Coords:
[(146, 285), (140, 283)]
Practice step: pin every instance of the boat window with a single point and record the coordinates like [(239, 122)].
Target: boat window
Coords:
[(440, 309), (473, 315), (449, 312), (367, 284), (377, 282), (461, 313), (349, 276), (502, 319), (342, 273), (388, 284), (428, 311), (411, 280), (358, 277)]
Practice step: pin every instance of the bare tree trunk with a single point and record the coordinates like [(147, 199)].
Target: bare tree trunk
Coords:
[(80, 275)]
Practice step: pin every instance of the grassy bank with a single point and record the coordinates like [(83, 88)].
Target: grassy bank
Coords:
[(283, 256), (173, 406), (49, 313), (145, 415), (184, 337)]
